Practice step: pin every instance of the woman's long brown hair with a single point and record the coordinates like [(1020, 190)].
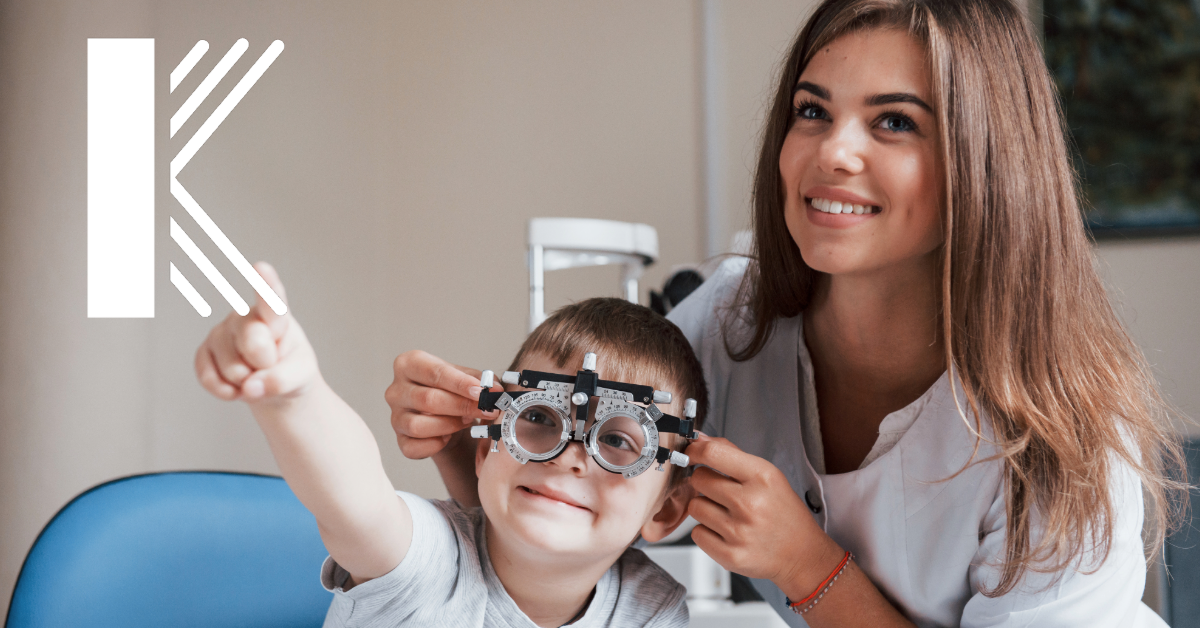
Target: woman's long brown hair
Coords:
[(1028, 329)]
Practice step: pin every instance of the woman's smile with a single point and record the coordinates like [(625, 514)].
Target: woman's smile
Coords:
[(837, 208)]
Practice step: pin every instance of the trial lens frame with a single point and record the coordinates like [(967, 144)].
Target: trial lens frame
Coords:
[(559, 392)]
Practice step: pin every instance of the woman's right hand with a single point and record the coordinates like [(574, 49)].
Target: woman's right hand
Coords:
[(431, 401)]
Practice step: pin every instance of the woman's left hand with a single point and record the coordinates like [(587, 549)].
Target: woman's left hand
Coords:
[(752, 522)]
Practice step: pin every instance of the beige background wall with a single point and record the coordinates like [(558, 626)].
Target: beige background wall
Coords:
[(386, 163)]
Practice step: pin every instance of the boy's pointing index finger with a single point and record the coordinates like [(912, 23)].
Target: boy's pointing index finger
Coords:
[(277, 323)]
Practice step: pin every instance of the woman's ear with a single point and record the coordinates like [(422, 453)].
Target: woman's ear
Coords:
[(672, 513)]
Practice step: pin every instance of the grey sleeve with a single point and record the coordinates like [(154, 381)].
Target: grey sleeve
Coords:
[(674, 611), (423, 580)]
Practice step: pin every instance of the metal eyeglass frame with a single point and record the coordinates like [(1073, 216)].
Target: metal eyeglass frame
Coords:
[(562, 392)]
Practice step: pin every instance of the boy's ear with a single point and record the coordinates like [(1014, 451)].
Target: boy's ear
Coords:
[(672, 513), (482, 445)]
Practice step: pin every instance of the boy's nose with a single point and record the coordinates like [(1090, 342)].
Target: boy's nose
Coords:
[(573, 458)]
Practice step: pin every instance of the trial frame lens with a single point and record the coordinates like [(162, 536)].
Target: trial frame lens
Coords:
[(630, 422)]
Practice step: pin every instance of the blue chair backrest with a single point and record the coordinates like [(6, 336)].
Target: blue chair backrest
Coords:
[(1182, 557), (176, 549)]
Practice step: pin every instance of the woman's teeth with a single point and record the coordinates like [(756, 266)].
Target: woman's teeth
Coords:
[(836, 207)]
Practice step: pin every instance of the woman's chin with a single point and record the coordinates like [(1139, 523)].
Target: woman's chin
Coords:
[(835, 261)]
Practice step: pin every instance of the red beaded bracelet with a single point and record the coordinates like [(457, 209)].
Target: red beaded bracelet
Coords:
[(816, 596)]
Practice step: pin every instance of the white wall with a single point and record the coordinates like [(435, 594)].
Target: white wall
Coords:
[(386, 163), (1155, 285), (744, 43)]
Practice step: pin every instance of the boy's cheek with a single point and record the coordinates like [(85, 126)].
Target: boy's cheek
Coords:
[(640, 495)]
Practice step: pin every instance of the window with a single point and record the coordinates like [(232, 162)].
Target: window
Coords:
[(1128, 72)]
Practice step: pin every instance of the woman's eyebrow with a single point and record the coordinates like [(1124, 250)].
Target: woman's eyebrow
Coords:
[(813, 88), (887, 99)]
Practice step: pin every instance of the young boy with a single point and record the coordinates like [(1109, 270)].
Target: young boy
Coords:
[(550, 545)]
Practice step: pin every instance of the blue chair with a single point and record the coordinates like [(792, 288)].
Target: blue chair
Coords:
[(1181, 599), (175, 549)]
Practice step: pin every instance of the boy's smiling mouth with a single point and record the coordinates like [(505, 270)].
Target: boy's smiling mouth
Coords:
[(548, 494)]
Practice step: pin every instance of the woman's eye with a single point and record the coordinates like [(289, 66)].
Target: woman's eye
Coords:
[(897, 124), (810, 111)]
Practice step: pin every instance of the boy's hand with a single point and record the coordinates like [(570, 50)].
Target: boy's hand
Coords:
[(752, 522), (257, 357), (431, 401)]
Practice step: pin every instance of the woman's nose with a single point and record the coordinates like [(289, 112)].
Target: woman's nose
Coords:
[(842, 150)]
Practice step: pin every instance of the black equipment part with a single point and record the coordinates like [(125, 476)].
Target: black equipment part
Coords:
[(641, 394)]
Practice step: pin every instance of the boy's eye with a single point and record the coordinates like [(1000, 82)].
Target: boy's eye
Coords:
[(540, 418), (616, 440)]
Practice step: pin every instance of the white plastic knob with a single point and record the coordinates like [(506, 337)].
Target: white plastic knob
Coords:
[(689, 409), (589, 361), (487, 379), (479, 431), (579, 398), (510, 377), (662, 396), (679, 459)]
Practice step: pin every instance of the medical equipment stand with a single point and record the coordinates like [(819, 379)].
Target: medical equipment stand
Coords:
[(561, 243)]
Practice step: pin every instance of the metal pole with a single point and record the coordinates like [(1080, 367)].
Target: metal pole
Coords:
[(537, 287)]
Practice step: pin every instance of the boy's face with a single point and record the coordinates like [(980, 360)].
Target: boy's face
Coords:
[(570, 506)]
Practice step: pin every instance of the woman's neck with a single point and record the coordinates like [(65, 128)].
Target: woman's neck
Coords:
[(551, 591), (884, 326), (876, 346)]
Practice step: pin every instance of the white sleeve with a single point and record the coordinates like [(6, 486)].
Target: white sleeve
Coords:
[(1109, 596), (699, 316), (696, 315)]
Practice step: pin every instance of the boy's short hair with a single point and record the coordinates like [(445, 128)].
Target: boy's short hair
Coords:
[(634, 344)]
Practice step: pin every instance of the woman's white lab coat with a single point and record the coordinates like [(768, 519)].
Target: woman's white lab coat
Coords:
[(928, 542)]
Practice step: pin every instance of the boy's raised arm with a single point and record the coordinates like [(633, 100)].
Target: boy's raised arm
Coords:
[(324, 450)]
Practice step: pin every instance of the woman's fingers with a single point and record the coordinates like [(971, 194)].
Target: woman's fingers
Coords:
[(421, 448), (430, 370), (715, 486), (725, 457), (422, 435), (431, 426), (754, 522), (716, 546), (430, 399), (435, 401), (711, 514)]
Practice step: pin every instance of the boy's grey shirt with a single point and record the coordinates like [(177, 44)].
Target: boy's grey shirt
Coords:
[(446, 579)]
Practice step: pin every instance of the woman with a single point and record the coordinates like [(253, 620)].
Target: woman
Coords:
[(920, 366)]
